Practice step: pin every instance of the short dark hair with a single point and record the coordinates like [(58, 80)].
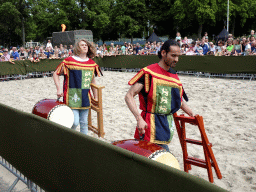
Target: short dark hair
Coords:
[(166, 47)]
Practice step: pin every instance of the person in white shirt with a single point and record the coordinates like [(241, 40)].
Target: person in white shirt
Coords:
[(49, 44)]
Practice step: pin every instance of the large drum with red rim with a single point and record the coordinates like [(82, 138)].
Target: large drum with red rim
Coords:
[(149, 150), (55, 111)]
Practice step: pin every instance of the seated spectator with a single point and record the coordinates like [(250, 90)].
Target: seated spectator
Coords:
[(61, 50), (179, 42), (205, 35), (99, 52), (185, 40), (112, 51), (243, 45), (178, 36), (117, 50), (30, 57), (11, 60), (49, 44), (205, 47), (191, 51), (237, 48), (212, 49), (224, 48), (65, 54), (247, 50), (31, 51), (252, 39), (48, 52), (138, 48), (183, 49), (70, 53), (230, 37), (71, 47), (252, 34), (2, 58), (37, 50), (152, 51), (15, 54), (253, 49), (229, 48), (41, 54), (219, 48), (198, 49), (123, 49), (23, 53), (6, 55), (158, 47), (35, 58)]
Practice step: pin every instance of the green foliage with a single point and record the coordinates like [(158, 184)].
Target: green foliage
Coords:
[(111, 19)]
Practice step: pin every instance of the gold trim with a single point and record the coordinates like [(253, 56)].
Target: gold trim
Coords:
[(147, 82), (136, 77), (152, 128), (163, 76), (78, 63), (67, 94), (72, 67)]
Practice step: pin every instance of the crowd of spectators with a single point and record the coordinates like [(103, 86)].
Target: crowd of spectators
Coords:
[(37, 53), (229, 47)]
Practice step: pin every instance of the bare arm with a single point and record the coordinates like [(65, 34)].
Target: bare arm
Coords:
[(94, 90), (186, 109), (130, 101), (56, 79)]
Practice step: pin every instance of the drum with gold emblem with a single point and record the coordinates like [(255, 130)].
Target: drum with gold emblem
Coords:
[(149, 150), (54, 110)]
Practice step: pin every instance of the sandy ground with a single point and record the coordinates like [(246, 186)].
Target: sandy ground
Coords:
[(228, 107)]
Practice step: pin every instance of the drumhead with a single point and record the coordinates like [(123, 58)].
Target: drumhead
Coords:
[(166, 158), (62, 114)]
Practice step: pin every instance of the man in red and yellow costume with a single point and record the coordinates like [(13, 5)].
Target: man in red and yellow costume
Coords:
[(160, 95)]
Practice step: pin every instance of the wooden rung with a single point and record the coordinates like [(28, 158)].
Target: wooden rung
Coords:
[(196, 162), (194, 141), (186, 119)]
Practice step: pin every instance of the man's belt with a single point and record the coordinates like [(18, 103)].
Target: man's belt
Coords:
[(161, 114)]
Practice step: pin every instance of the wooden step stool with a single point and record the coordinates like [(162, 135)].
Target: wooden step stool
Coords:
[(210, 160)]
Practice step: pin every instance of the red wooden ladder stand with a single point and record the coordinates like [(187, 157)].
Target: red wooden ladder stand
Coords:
[(210, 160)]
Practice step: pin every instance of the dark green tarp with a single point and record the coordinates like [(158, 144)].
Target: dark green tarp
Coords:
[(60, 159), (210, 64)]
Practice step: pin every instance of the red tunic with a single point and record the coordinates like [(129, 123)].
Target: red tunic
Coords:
[(77, 81), (161, 98)]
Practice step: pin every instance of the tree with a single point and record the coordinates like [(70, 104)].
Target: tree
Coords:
[(240, 11), (201, 11), (46, 17), (10, 24), (130, 17)]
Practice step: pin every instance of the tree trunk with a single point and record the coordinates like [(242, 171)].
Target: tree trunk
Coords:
[(233, 26), (23, 32), (200, 28)]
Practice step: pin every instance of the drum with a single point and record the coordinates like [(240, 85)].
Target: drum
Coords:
[(55, 111), (149, 150)]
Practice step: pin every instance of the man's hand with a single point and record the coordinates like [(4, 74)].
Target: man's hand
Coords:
[(59, 93), (141, 125)]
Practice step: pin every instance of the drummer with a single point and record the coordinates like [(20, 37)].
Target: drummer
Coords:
[(79, 72), (160, 95)]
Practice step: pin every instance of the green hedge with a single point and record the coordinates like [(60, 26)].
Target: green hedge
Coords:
[(210, 64)]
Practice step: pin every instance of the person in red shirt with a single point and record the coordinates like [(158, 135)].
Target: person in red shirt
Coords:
[(160, 95)]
